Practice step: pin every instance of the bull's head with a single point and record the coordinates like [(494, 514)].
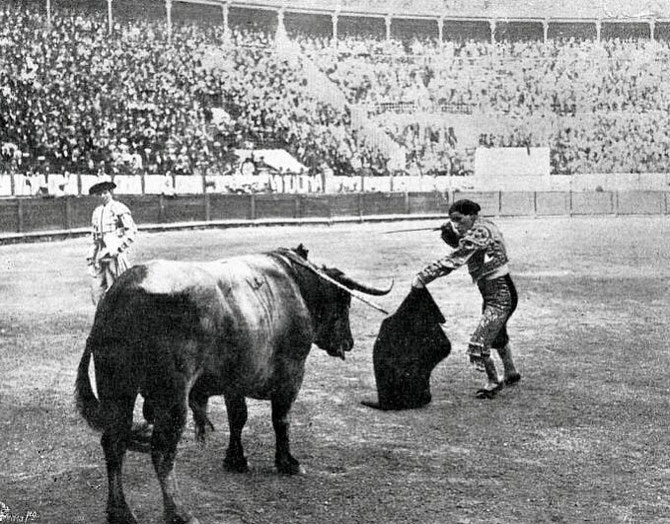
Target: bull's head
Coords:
[(328, 294)]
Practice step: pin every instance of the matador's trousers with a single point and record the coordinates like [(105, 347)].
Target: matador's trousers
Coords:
[(500, 301), (105, 273)]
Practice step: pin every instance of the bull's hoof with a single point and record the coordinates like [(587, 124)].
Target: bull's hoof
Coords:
[(121, 516), (512, 379), (289, 466), (235, 464), (185, 518), (202, 428)]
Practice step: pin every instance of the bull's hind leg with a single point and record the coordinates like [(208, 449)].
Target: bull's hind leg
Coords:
[(148, 411), (284, 461), (169, 424), (197, 401), (235, 460), (114, 444)]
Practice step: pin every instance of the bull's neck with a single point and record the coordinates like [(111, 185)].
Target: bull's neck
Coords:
[(306, 281)]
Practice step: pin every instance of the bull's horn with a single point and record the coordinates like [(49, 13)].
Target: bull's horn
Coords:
[(350, 283), (369, 290)]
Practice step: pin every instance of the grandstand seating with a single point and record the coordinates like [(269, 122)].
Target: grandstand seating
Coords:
[(77, 98), (601, 107)]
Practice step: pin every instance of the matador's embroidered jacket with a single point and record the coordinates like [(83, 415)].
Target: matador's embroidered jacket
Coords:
[(482, 248), (113, 229)]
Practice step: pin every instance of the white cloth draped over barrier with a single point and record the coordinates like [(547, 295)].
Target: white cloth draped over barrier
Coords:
[(128, 184), (185, 185), (265, 182), (385, 184), (159, 185), (169, 185), (87, 181), (238, 183), (29, 185), (297, 183), (5, 185), (61, 185)]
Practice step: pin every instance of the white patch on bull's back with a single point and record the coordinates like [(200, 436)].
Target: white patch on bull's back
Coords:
[(169, 277), (238, 269), (247, 286)]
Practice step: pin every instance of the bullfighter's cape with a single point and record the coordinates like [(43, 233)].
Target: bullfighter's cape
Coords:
[(409, 345)]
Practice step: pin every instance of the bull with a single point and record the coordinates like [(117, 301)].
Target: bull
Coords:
[(179, 332)]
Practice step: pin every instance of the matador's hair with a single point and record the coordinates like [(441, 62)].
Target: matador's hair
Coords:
[(465, 207)]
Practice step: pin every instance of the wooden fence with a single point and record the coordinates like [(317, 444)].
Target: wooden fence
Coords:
[(33, 215)]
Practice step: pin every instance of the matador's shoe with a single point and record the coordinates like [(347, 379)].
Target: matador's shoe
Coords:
[(490, 391)]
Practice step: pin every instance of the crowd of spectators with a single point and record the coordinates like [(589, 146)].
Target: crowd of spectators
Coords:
[(599, 107), (75, 97), (75, 100)]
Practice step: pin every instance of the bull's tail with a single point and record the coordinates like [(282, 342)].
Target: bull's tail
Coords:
[(87, 403)]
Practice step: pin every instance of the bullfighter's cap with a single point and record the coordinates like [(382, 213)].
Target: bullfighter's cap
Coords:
[(98, 188)]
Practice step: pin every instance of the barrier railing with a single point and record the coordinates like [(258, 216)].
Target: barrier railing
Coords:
[(78, 184), (20, 185), (72, 214)]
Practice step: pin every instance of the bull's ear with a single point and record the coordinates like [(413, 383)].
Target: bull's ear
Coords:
[(301, 251)]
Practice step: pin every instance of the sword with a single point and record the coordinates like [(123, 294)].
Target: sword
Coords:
[(414, 229)]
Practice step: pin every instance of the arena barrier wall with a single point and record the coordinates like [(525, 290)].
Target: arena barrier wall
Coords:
[(69, 215), (57, 185)]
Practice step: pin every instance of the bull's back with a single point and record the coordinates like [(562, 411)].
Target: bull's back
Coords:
[(153, 299), (230, 320)]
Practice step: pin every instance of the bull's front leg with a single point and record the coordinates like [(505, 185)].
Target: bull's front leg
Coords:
[(284, 461), (236, 407)]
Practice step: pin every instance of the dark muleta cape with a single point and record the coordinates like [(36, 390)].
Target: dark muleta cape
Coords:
[(409, 346)]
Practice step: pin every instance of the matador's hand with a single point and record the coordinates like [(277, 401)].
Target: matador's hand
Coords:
[(92, 270), (449, 234), (105, 255), (417, 283)]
